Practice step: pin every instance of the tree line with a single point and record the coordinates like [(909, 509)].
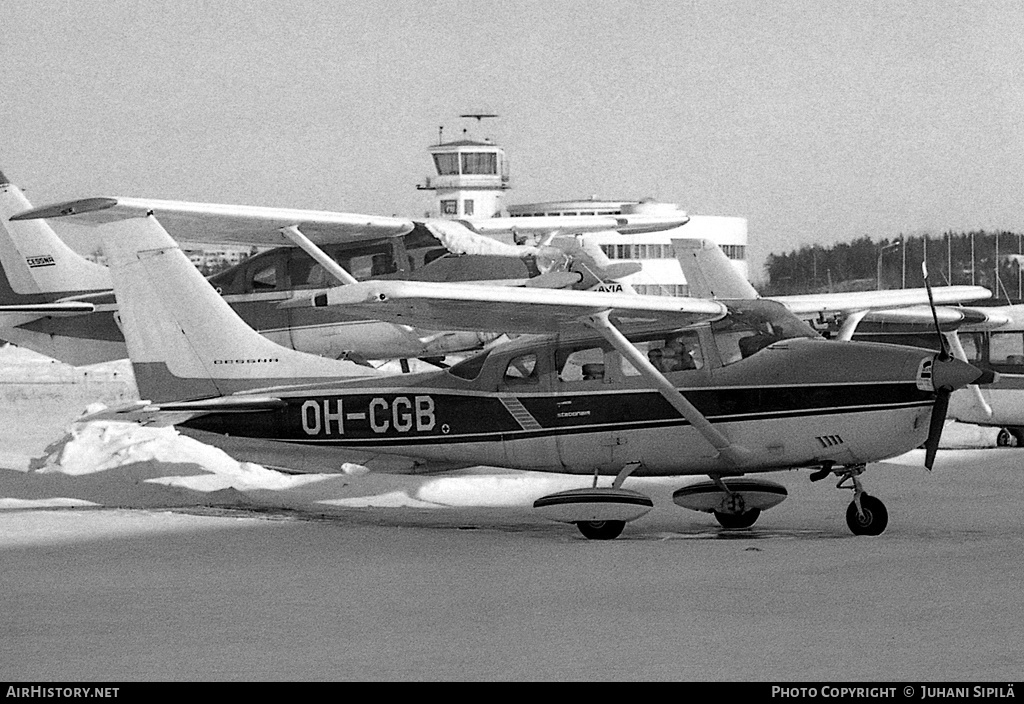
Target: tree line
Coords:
[(989, 259)]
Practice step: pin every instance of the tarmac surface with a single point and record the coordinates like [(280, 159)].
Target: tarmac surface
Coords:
[(142, 572)]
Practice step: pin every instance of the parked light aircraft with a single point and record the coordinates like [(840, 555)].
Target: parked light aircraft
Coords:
[(70, 315), (54, 301), (991, 338), (581, 391)]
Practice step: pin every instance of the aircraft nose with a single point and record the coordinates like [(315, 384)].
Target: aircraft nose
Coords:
[(953, 374)]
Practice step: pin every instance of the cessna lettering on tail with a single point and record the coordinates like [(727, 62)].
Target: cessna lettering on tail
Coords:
[(403, 414)]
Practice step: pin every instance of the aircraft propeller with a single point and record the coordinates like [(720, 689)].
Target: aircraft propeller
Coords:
[(942, 393)]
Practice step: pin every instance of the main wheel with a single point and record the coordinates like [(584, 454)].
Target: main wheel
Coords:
[(1004, 438), (874, 520), (601, 530), (735, 521)]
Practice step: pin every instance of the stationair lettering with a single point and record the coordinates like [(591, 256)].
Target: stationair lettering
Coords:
[(401, 414)]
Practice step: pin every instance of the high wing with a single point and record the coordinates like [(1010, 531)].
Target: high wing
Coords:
[(474, 307), (880, 300), (215, 223)]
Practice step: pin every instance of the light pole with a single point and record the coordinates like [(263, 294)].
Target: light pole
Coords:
[(878, 268)]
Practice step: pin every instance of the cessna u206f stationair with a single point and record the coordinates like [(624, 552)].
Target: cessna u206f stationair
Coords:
[(741, 387), (54, 301)]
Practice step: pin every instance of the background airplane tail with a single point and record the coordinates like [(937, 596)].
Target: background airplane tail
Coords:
[(184, 340), (709, 273), (35, 263)]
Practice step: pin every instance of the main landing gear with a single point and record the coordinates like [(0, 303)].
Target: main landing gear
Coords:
[(865, 515)]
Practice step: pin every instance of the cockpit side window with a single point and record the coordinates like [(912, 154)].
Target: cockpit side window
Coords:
[(522, 370), (586, 364), (670, 353)]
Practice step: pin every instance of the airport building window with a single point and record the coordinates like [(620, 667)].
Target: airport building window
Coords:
[(449, 207), (447, 164), (467, 207)]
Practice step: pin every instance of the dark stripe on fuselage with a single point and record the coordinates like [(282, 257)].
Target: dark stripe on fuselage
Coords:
[(428, 416)]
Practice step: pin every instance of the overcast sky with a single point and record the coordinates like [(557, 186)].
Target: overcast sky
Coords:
[(816, 121)]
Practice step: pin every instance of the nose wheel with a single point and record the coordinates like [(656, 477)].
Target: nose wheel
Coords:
[(870, 519), (865, 515)]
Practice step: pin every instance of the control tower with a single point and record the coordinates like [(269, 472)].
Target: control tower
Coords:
[(471, 176)]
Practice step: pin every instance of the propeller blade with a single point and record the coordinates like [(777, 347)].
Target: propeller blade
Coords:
[(931, 445), (943, 349)]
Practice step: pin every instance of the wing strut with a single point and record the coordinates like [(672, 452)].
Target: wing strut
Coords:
[(319, 255), (734, 454)]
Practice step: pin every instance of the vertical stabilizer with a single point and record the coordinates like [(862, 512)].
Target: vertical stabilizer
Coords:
[(36, 265), (709, 273), (184, 340)]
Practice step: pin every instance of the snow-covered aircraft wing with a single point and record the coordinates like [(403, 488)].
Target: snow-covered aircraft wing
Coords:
[(476, 307), (215, 223)]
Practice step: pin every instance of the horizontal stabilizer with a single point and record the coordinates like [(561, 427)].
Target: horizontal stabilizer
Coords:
[(57, 310)]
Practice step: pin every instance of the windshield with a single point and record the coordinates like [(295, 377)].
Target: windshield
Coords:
[(752, 325), (469, 368)]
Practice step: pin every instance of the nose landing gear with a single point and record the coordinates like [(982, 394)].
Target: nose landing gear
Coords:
[(866, 515)]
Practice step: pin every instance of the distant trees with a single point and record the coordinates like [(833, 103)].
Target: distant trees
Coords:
[(990, 259)]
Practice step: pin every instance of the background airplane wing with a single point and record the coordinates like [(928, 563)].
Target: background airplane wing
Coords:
[(228, 224), (880, 300), (215, 223), (475, 307)]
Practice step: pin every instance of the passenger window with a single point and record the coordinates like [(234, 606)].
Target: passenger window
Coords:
[(522, 370), (582, 365), (971, 345), (1006, 348)]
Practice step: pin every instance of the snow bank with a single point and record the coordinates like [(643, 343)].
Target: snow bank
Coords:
[(90, 448)]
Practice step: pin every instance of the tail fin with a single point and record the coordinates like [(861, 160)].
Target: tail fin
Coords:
[(35, 264), (185, 342), (709, 273)]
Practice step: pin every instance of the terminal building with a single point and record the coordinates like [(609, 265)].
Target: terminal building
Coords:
[(472, 179)]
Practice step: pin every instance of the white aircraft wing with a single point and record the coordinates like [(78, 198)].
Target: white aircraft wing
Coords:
[(216, 223), (880, 300), (228, 224), (955, 317), (475, 307)]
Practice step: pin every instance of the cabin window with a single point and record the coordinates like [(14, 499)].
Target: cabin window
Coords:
[(522, 370), (971, 343), (581, 364), (1006, 348)]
